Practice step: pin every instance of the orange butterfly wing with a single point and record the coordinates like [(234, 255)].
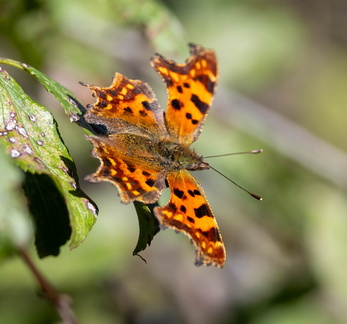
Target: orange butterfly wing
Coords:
[(188, 211), (191, 87), (127, 105), (131, 173)]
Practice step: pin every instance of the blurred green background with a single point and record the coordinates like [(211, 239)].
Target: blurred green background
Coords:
[(283, 88)]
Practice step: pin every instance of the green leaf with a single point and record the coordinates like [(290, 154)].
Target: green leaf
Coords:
[(148, 223), (15, 226), (30, 137), (49, 211), (67, 99)]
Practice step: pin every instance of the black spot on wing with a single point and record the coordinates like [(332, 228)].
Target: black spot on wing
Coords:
[(172, 207), (168, 81), (178, 193), (176, 104), (128, 109), (210, 86), (191, 220), (107, 163), (194, 192), (212, 234), (202, 211), (146, 105), (206, 81), (105, 173), (202, 106), (150, 182)]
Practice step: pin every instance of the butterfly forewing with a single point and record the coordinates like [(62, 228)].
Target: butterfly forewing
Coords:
[(126, 106), (191, 87)]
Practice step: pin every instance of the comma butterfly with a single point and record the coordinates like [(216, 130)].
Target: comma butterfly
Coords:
[(147, 150)]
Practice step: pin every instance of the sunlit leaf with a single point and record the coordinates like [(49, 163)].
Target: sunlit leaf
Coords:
[(66, 98), (15, 227), (30, 137)]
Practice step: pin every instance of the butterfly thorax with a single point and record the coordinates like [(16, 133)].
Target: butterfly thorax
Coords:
[(180, 156)]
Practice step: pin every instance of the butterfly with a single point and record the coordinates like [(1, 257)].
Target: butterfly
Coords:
[(147, 150)]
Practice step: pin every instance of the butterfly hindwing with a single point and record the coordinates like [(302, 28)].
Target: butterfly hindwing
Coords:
[(134, 179), (188, 211)]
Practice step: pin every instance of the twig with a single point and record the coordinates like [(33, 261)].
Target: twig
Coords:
[(61, 301), (285, 136)]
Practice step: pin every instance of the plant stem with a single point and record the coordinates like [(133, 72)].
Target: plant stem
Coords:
[(62, 302)]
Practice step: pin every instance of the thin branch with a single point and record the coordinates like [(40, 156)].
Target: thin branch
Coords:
[(285, 136), (61, 301)]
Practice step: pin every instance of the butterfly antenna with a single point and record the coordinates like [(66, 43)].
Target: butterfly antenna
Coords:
[(237, 153), (223, 175), (236, 184)]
